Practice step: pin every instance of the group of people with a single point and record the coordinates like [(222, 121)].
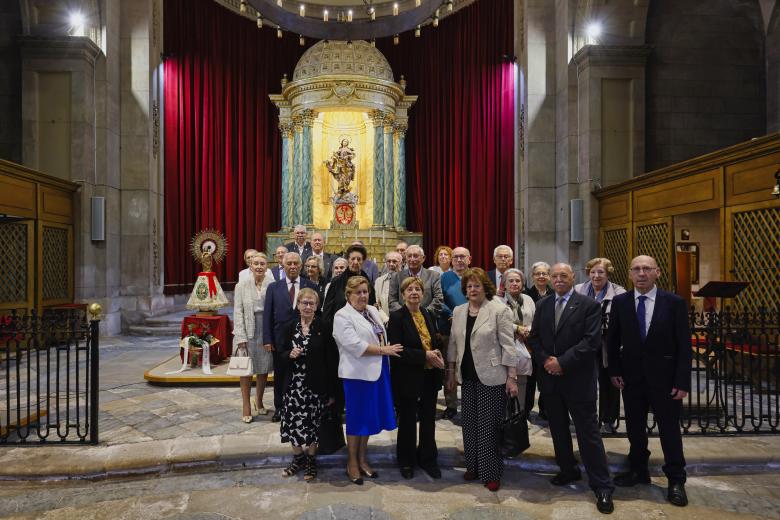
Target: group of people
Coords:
[(380, 345)]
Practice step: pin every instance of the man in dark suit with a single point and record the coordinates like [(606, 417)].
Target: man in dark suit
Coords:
[(280, 302), (300, 245), (278, 270), (649, 348), (502, 258), (318, 249), (565, 337)]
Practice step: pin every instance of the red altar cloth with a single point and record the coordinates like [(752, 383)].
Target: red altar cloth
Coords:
[(220, 328)]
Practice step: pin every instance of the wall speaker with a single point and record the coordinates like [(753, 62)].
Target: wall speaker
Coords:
[(98, 231), (576, 225)]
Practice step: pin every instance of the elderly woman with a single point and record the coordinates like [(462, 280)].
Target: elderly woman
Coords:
[(338, 266), (443, 259), (603, 291), (416, 376), (482, 357), (523, 308), (249, 300), (307, 384), (314, 269), (540, 273), (365, 372)]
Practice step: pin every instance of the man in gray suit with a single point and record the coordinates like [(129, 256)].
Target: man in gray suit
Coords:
[(432, 299)]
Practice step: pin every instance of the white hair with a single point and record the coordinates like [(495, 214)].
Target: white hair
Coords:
[(503, 246), (415, 246), (299, 227), (390, 253), (291, 254), (513, 270), (537, 265)]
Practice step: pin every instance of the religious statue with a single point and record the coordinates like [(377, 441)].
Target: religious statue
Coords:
[(341, 167), (208, 247)]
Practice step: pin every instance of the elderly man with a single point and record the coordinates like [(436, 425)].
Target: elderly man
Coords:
[(278, 270), (382, 284), (452, 297), (649, 345), (318, 250), (300, 245), (432, 299), (565, 337), (502, 258), (247, 273), (281, 298), (400, 248)]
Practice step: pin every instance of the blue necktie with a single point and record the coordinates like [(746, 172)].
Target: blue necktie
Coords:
[(640, 314)]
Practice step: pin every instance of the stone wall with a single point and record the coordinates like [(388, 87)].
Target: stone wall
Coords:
[(706, 84), (10, 83)]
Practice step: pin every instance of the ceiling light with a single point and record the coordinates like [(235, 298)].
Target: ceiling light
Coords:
[(593, 31), (77, 23)]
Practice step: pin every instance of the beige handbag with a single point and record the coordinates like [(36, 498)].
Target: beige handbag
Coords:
[(240, 366)]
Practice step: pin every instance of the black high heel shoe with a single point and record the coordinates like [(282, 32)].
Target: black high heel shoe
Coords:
[(365, 473), (357, 481)]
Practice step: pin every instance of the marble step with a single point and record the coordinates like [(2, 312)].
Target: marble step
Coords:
[(145, 329)]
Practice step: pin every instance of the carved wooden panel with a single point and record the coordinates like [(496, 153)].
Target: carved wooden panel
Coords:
[(16, 260), (616, 247), (698, 192), (615, 210), (751, 180), (17, 197), (654, 239), (55, 264), (756, 257)]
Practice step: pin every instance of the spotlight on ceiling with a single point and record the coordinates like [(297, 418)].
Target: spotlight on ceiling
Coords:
[(77, 23), (593, 31)]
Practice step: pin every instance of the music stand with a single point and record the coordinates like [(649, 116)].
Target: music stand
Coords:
[(721, 290)]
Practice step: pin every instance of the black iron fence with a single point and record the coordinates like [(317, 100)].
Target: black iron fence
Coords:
[(735, 378), (49, 378)]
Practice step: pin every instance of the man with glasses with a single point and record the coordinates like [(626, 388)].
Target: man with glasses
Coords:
[(452, 296), (502, 258), (565, 338), (649, 348)]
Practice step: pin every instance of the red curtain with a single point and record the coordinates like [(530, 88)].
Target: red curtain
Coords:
[(460, 146), (223, 148), (222, 144)]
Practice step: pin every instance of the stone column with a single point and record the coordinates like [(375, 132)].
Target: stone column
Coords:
[(378, 118), (297, 185), (307, 173), (389, 173), (400, 176), (286, 129)]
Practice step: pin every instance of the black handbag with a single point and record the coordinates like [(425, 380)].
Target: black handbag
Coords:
[(331, 433), (514, 429)]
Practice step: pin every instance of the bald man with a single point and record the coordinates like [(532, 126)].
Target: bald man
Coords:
[(649, 348), (565, 338)]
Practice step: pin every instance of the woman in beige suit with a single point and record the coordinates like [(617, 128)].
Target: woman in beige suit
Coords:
[(483, 359), (249, 300)]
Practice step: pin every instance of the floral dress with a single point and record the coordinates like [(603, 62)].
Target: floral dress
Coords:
[(301, 408)]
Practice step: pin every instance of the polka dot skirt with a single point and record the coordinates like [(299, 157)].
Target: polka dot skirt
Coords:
[(483, 409)]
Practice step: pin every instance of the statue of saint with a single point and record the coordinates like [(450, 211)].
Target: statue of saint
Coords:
[(341, 167)]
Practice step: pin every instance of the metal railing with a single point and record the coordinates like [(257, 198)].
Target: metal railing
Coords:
[(49, 377), (735, 377)]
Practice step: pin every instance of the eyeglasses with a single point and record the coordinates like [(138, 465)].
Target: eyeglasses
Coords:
[(504, 257), (460, 257), (643, 269), (307, 303), (541, 273)]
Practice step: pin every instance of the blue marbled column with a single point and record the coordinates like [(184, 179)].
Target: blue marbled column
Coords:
[(286, 177), (307, 199), (400, 183), (379, 168), (297, 204), (389, 176)]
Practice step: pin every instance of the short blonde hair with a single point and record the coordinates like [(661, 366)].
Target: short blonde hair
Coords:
[(593, 262), (256, 254), (409, 281), (353, 283), (311, 293)]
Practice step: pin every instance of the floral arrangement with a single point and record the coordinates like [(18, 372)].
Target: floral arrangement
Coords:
[(199, 337)]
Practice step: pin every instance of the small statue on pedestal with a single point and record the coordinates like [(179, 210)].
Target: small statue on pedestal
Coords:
[(342, 169), (208, 247)]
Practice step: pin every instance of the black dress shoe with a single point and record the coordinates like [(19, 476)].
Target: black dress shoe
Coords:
[(357, 481), (276, 417), (407, 472), (432, 470), (631, 478), (676, 495), (372, 474), (561, 479), (449, 413), (604, 502)]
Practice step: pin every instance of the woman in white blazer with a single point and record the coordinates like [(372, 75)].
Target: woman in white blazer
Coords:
[(482, 357), (365, 372), (248, 303)]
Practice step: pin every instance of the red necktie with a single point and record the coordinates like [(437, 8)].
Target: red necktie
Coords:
[(292, 292)]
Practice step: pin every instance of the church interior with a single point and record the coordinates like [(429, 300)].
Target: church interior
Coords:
[(567, 130)]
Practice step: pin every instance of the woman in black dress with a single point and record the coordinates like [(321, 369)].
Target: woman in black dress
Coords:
[(307, 387)]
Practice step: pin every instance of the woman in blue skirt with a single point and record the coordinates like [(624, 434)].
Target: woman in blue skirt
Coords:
[(365, 371)]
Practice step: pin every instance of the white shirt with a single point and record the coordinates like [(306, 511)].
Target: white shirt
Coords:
[(649, 304), (499, 275), (297, 289), (244, 274), (300, 248)]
